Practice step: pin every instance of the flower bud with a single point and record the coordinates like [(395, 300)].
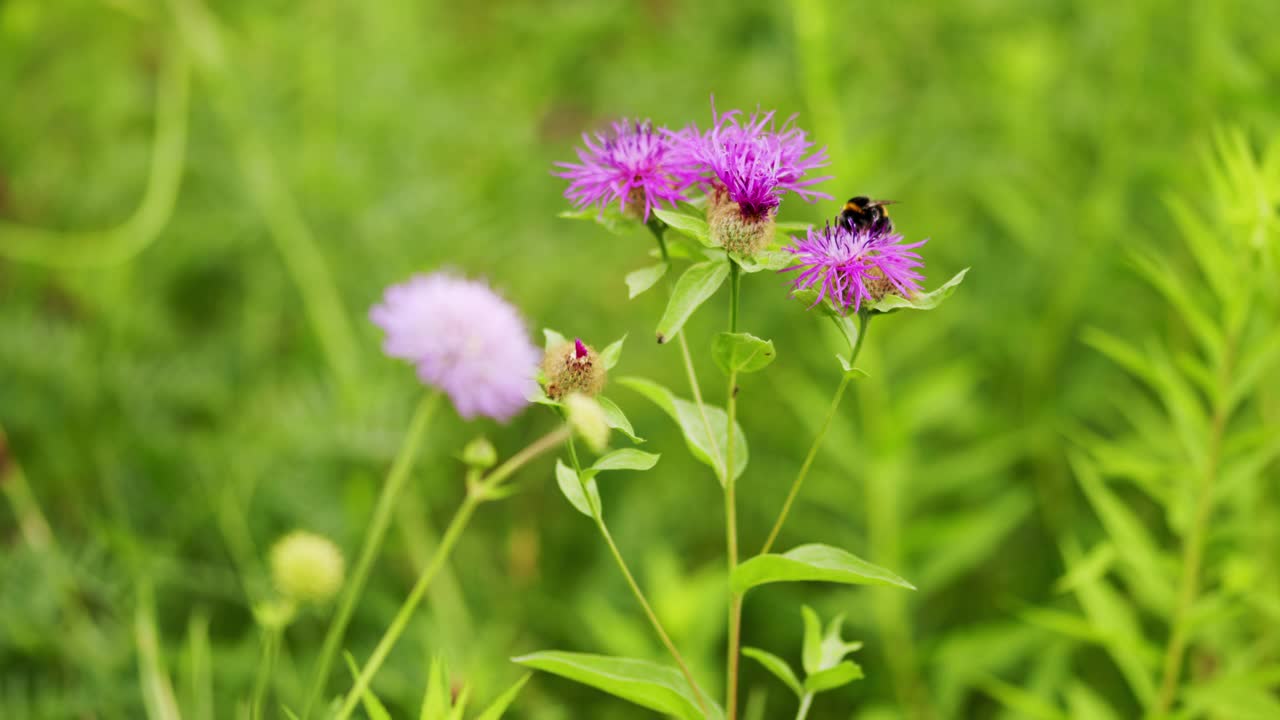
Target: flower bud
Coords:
[(479, 454), (739, 232), (306, 567), (587, 420), (573, 367)]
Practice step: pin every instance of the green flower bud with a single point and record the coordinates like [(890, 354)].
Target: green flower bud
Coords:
[(573, 367), (306, 567), (587, 420), (480, 454)]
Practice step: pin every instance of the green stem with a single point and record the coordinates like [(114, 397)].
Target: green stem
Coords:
[(1193, 551), (863, 321), (270, 648), (635, 589), (735, 292), (805, 702), (730, 507), (373, 537), (477, 492), (401, 620)]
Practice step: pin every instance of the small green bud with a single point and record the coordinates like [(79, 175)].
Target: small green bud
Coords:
[(587, 420), (306, 567), (480, 454), (573, 367)]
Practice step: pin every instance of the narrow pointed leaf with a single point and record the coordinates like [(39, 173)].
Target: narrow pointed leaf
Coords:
[(811, 656), (922, 301), (372, 706), (821, 563), (616, 419), (552, 339), (644, 683), (626, 459), (695, 286), (612, 353), (640, 280), (499, 706), (777, 666)]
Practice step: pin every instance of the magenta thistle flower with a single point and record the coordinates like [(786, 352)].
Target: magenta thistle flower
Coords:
[(464, 339), (751, 160), (631, 164), (850, 267)]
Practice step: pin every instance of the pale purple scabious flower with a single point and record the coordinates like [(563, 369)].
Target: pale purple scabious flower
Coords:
[(632, 165), (751, 160), (464, 339), (850, 267)]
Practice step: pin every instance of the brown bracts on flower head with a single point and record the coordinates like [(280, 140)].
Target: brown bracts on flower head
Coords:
[(573, 367)]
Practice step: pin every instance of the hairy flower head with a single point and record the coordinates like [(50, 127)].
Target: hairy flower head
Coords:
[(752, 161), (573, 367), (631, 164), (464, 339), (850, 267)]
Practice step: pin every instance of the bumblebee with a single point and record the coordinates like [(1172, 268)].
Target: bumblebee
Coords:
[(863, 213)]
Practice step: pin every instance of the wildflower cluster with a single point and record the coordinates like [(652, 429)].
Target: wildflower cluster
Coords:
[(745, 164), (721, 189)]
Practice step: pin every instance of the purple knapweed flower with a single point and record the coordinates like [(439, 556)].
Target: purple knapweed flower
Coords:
[(464, 339), (752, 160), (631, 164), (747, 164), (850, 267)]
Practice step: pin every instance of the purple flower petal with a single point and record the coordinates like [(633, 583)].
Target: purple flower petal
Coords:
[(464, 339)]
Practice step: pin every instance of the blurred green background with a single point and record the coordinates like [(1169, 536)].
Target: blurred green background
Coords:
[(176, 405)]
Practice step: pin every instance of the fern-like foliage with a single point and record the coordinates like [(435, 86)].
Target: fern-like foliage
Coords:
[(1179, 587)]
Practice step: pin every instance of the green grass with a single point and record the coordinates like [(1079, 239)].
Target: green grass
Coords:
[(198, 205)]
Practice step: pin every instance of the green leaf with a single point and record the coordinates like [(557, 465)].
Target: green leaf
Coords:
[(821, 563), (698, 283), (609, 217), (850, 371), (499, 706), (767, 259), (626, 459), (1138, 551), (688, 224), (640, 280), (616, 419), (644, 683), (572, 488), (742, 352), (612, 353), (436, 701), (832, 678), (460, 705), (708, 448), (552, 339), (922, 301), (811, 656), (777, 666), (372, 706), (1025, 703)]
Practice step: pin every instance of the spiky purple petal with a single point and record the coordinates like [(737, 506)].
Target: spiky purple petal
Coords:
[(846, 265)]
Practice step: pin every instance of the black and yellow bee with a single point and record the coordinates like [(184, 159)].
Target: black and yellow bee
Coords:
[(863, 213)]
